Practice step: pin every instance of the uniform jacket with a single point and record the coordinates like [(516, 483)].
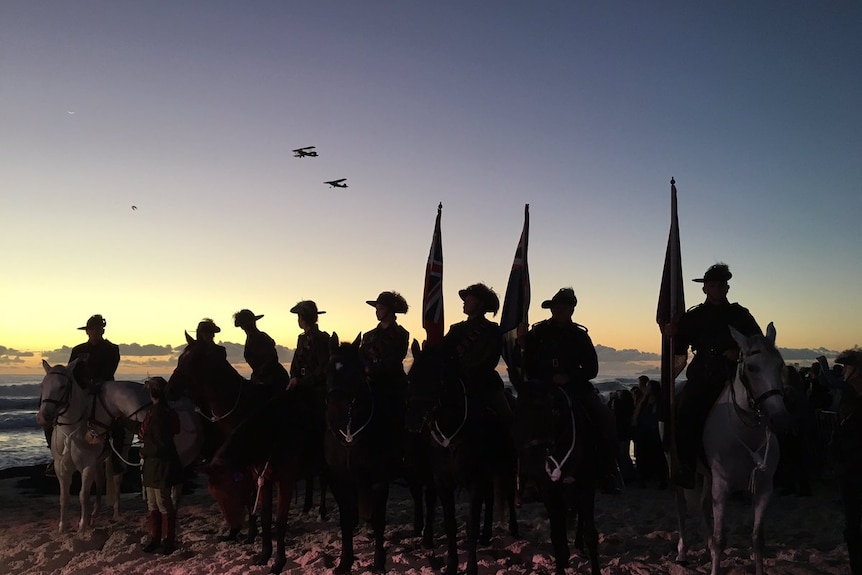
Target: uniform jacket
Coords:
[(310, 358), (101, 359), (847, 442), (476, 345), (161, 463), (561, 348), (704, 328), (262, 358), (384, 351)]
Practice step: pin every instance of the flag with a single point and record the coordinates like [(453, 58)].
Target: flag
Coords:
[(516, 303), (432, 297), (671, 304)]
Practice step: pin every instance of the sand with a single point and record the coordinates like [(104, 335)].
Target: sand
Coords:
[(637, 536)]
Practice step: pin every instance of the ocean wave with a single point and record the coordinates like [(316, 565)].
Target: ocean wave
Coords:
[(19, 403), (21, 390), (12, 420)]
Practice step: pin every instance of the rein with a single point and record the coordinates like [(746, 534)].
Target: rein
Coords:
[(556, 472), (347, 433), (437, 434), (754, 414), (65, 402), (216, 418)]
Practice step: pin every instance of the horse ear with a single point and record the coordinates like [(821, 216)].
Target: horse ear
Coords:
[(189, 339), (415, 349), (334, 343), (358, 340), (770, 333), (740, 339), (46, 366)]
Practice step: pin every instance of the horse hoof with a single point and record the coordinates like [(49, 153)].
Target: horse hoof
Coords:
[(342, 568), (278, 565), (428, 542), (262, 559)]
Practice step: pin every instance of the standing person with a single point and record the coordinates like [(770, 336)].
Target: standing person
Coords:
[(260, 352), (623, 406), (384, 349), (847, 451), (705, 329), (559, 351), (476, 344), (161, 469), (98, 359)]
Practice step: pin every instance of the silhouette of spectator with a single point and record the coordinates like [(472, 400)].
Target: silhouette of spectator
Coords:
[(650, 460)]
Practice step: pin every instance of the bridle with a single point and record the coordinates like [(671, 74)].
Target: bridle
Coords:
[(755, 403), (64, 403), (348, 434)]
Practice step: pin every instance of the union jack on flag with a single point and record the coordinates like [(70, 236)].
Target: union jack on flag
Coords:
[(432, 297), (516, 303)]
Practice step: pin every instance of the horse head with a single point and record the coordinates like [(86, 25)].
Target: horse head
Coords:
[(56, 391), (202, 370), (423, 385), (761, 370), (345, 370), (545, 431)]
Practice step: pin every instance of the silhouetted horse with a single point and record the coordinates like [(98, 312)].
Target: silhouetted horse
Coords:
[(557, 454), (363, 445), (263, 431), (468, 447)]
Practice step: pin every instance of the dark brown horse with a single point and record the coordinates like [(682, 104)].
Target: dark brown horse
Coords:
[(557, 454), (364, 448), (468, 448), (262, 430)]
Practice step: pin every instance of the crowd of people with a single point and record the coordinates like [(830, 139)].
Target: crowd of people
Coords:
[(555, 351)]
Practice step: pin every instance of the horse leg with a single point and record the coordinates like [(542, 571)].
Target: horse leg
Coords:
[(346, 497), (761, 501), (285, 490), (478, 493), (488, 516), (308, 502), (84, 495), (418, 510), (380, 493), (65, 488), (430, 492), (586, 498), (323, 479), (556, 508), (450, 526), (264, 503), (716, 540), (681, 512), (118, 486)]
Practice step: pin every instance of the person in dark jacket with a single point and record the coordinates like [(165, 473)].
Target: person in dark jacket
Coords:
[(205, 334), (384, 349), (260, 353), (847, 451), (704, 328), (559, 351), (98, 359), (161, 469), (476, 344)]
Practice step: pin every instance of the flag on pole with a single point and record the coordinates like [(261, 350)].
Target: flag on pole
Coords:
[(671, 304), (432, 297), (516, 303)]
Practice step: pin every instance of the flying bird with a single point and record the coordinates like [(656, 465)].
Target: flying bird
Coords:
[(134, 208), (337, 183)]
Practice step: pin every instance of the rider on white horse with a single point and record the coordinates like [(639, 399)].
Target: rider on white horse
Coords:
[(705, 328)]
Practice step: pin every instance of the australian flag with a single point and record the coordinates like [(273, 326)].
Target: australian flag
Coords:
[(432, 297), (516, 303)]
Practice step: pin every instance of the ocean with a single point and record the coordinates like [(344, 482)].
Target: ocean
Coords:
[(22, 441)]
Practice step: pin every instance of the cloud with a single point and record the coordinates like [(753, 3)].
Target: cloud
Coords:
[(612, 355), (10, 355)]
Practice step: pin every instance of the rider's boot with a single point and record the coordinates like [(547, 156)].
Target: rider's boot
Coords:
[(154, 530), (169, 526)]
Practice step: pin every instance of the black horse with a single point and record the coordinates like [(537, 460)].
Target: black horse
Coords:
[(363, 448), (259, 430), (469, 448), (557, 454)]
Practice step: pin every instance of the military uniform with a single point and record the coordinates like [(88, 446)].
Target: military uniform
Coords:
[(705, 329), (261, 356), (309, 368), (100, 360), (384, 350)]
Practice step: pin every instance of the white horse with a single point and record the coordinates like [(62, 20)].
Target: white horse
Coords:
[(68, 406), (741, 449)]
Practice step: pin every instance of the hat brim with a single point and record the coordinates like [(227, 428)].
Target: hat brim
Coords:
[(372, 303), (547, 304)]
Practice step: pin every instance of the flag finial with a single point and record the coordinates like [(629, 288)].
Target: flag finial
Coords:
[(672, 181)]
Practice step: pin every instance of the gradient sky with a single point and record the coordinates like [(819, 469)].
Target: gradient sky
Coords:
[(584, 110)]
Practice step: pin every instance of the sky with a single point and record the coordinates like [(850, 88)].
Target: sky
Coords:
[(583, 110)]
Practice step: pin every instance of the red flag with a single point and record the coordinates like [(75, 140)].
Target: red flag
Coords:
[(671, 304), (432, 297), (516, 303)]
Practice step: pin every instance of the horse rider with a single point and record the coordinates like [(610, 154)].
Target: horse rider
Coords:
[(704, 328), (98, 359), (559, 351), (205, 334), (161, 468), (260, 352), (847, 452), (383, 349), (476, 344)]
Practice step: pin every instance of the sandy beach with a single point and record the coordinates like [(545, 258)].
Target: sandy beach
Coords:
[(637, 536)]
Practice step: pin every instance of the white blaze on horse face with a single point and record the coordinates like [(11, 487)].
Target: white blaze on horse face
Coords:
[(339, 366)]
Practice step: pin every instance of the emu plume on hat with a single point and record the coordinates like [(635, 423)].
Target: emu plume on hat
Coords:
[(564, 295), (244, 317), (850, 357), (209, 326), (485, 294), (391, 299), (95, 321), (306, 307)]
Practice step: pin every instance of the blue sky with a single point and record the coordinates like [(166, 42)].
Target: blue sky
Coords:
[(583, 110)]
